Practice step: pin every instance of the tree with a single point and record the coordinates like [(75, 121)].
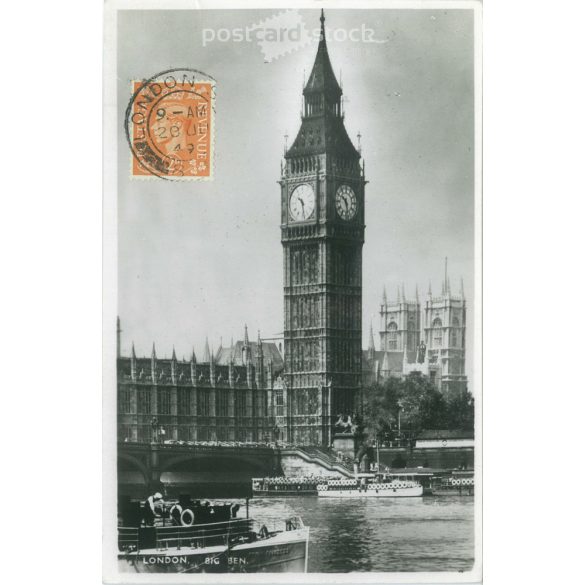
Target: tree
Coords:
[(381, 405), (460, 411), (420, 404), (423, 405)]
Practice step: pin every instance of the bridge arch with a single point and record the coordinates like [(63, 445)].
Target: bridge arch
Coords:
[(136, 464)]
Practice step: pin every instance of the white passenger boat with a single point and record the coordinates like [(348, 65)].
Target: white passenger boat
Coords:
[(370, 485)]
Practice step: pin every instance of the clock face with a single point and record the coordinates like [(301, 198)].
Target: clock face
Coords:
[(302, 202), (345, 202)]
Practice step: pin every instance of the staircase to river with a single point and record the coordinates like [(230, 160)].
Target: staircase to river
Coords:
[(320, 457)]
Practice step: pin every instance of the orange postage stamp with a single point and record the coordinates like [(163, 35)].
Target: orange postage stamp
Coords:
[(169, 126)]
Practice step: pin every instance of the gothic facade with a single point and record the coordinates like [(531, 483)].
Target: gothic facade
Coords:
[(233, 394), (427, 337)]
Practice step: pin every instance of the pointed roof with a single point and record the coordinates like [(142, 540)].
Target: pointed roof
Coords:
[(153, 354), (193, 357), (384, 296), (322, 78), (371, 344), (174, 356), (235, 354), (322, 129), (246, 340), (206, 353), (133, 351)]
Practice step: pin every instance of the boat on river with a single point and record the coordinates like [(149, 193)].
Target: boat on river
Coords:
[(370, 485), (195, 538), (287, 486)]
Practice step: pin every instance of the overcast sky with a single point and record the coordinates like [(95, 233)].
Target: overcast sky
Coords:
[(203, 258)]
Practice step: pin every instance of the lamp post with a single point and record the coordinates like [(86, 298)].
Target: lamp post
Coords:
[(399, 429)]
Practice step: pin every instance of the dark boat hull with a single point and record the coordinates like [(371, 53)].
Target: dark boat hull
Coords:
[(283, 553)]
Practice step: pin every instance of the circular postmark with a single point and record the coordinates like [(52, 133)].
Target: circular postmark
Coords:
[(169, 125)]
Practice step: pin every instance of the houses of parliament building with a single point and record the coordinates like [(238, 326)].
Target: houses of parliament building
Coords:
[(253, 391)]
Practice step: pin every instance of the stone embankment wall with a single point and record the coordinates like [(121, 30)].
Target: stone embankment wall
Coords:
[(438, 458)]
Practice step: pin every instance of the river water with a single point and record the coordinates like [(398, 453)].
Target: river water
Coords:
[(379, 534)]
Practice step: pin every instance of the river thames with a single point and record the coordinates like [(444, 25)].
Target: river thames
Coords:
[(380, 534)]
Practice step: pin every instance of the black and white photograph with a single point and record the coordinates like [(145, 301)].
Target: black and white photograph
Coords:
[(294, 261)]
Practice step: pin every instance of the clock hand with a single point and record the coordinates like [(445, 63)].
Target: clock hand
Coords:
[(303, 206)]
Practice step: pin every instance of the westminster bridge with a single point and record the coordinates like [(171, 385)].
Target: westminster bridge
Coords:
[(143, 467), (214, 470)]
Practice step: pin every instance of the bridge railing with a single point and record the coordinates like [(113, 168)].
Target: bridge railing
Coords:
[(202, 444)]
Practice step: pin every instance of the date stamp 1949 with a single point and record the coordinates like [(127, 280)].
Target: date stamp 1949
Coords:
[(169, 126)]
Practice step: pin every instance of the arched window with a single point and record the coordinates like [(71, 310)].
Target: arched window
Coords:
[(411, 334), (454, 333), (437, 333), (392, 335)]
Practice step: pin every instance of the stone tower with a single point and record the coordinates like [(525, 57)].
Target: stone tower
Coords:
[(444, 335), (400, 322), (322, 229)]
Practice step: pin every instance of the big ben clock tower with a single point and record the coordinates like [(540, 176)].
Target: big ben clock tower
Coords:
[(322, 222)]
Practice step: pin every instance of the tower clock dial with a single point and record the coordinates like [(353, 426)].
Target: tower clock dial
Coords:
[(302, 202), (345, 202)]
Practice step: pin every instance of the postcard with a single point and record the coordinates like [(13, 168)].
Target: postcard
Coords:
[(292, 292)]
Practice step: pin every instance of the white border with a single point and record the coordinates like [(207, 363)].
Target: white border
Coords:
[(110, 293), (109, 454)]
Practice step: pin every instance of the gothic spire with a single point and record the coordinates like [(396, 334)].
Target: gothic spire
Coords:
[(384, 296), (322, 129), (133, 354), (446, 279), (322, 78), (193, 358), (462, 291), (206, 354), (385, 363), (371, 345), (246, 340), (153, 354), (416, 292), (259, 351), (398, 294), (174, 356), (430, 292), (403, 295), (118, 338)]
